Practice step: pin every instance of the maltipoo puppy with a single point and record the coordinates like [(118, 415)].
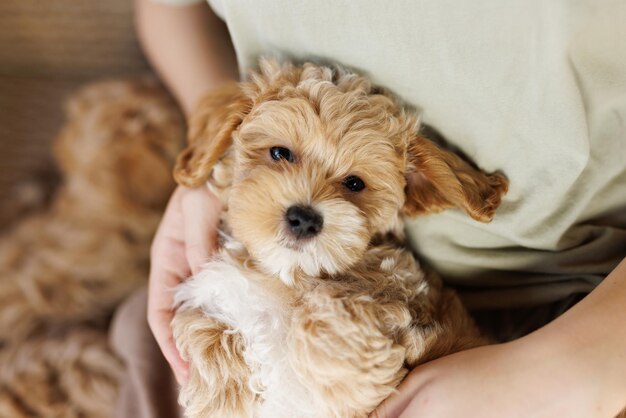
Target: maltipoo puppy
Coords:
[(314, 306), (76, 260), (63, 270)]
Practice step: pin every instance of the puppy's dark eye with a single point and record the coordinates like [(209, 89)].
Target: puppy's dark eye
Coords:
[(281, 152), (354, 183)]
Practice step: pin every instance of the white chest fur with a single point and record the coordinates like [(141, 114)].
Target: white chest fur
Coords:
[(261, 314)]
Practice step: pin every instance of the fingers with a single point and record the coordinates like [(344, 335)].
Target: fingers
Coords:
[(396, 404), (391, 407), (200, 214), (184, 241), (168, 268), (160, 314), (159, 321)]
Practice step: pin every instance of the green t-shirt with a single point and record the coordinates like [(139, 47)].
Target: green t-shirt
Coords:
[(536, 89)]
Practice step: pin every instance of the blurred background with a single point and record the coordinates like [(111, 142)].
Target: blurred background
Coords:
[(47, 50)]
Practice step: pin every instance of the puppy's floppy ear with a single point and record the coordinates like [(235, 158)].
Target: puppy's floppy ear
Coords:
[(211, 126), (438, 179)]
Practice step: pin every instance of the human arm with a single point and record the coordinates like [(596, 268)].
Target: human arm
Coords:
[(188, 46), (575, 367), (190, 49)]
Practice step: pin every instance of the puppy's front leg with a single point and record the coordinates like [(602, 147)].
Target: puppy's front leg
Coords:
[(218, 374), (444, 328), (339, 348)]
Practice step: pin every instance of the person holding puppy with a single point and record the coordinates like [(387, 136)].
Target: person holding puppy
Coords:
[(537, 91)]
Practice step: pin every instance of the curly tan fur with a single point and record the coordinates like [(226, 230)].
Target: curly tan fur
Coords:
[(73, 374), (325, 326), (71, 264), (222, 378), (75, 261)]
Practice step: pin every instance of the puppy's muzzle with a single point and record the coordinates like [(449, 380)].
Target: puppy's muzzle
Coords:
[(304, 221)]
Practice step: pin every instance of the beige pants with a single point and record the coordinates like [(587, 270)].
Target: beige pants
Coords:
[(148, 388)]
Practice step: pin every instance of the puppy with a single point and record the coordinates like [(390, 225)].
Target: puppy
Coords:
[(64, 269), (76, 260), (314, 306)]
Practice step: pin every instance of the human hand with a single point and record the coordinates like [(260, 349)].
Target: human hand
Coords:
[(184, 240), (530, 377)]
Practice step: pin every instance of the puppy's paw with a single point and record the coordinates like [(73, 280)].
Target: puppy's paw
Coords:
[(218, 375), (338, 348)]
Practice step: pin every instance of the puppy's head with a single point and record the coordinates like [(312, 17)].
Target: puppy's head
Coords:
[(321, 162), (120, 143)]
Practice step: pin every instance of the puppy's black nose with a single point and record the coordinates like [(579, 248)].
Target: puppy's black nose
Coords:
[(304, 221)]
